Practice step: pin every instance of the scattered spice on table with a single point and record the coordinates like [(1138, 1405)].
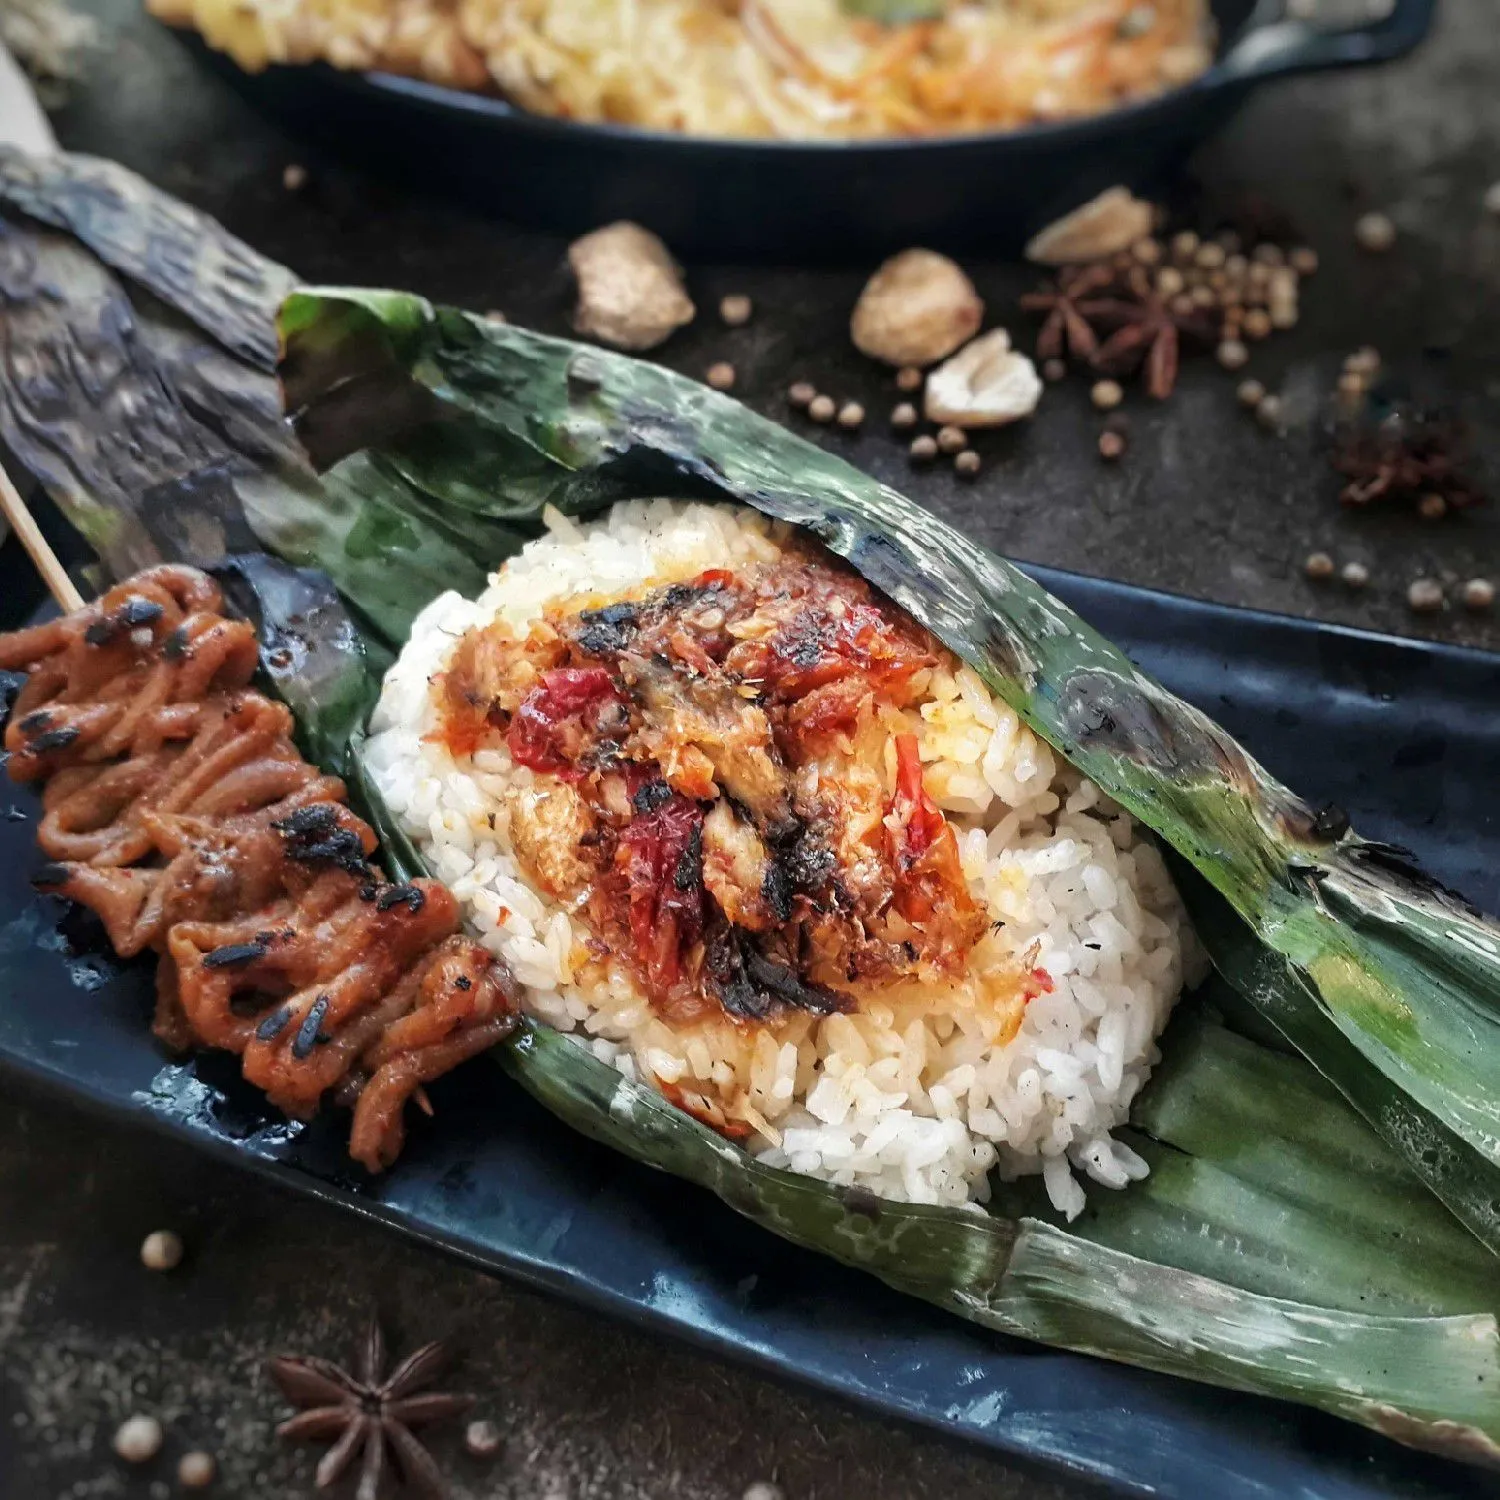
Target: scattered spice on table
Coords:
[(1065, 327), (952, 439), (903, 415), (1184, 245), (1358, 375), (138, 1439), (924, 448), (1147, 333), (1233, 354), (1425, 595), (966, 463), (801, 394), (721, 375), (1136, 310), (851, 414), (483, 1439), (1355, 574), (1109, 224), (196, 1470), (162, 1250), (1374, 232), (908, 378), (986, 384), (821, 408), (916, 309), (1478, 594), (1106, 394), (631, 292), (368, 1413), (1319, 565), (1352, 385), (736, 309), (1403, 459), (1257, 324), (1111, 445), (294, 177), (1250, 393)]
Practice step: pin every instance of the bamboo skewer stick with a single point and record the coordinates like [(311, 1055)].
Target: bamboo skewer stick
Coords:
[(28, 533)]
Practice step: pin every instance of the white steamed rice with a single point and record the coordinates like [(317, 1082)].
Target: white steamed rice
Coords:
[(914, 1100)]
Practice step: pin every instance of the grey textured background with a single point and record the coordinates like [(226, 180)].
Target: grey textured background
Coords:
[(1204, 504)]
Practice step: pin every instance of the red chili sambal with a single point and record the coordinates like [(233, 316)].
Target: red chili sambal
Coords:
[(715, 753)]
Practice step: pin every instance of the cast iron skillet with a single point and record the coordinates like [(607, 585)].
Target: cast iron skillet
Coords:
[(804, 200)]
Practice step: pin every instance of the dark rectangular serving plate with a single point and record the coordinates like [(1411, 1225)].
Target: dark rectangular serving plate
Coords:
[(1402, 734)]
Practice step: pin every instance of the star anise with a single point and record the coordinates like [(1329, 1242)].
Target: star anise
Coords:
[(369, 1414), (1065, 326), (1148, 331), (1403, 458)]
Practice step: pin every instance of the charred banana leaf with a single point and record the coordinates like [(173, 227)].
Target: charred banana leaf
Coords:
[(183, 256), (1388, 984), (1279, 1246)]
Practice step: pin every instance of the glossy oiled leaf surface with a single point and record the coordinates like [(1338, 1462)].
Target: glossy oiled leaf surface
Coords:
[(474, 435), (1262, 1176), (1402, 1373), (457, 456), (490, 422)]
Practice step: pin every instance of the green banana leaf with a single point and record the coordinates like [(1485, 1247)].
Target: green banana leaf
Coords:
[(465, 430), (1428, 1380), (1394, 979), (1279, 1246)]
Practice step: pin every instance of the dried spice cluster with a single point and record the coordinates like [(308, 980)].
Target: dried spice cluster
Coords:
[(1407, 458), (1135, 310), (369, 1414)]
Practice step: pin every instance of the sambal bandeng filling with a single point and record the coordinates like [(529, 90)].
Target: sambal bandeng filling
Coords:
[(727, 761)]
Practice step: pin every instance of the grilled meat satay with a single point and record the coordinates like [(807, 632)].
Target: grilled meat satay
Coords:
[(203, 814), (125, 676), (178, 809)]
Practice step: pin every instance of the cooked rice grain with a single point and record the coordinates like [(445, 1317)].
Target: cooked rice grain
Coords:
[(913, 1097)]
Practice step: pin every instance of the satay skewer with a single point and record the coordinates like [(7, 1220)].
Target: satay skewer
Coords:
[(23, 523)]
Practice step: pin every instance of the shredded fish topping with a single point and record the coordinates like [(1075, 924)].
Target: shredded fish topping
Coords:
[(711, 770)]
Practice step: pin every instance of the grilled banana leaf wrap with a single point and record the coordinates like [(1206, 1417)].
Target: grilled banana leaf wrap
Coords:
[(1335, 1086)]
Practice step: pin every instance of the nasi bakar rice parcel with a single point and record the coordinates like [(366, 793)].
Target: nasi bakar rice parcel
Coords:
[(800, 853), (752, 836)]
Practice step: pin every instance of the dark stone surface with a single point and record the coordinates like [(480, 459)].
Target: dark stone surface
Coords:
[(1204, 503), (589, 1410)]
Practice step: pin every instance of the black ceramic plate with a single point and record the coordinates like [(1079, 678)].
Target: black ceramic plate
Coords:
[(800, 201), (1403, 734)]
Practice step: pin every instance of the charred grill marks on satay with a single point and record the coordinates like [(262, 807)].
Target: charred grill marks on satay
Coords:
[(177, 808)]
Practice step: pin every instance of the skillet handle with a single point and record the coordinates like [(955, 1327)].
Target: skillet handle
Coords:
[(1295, 43)]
